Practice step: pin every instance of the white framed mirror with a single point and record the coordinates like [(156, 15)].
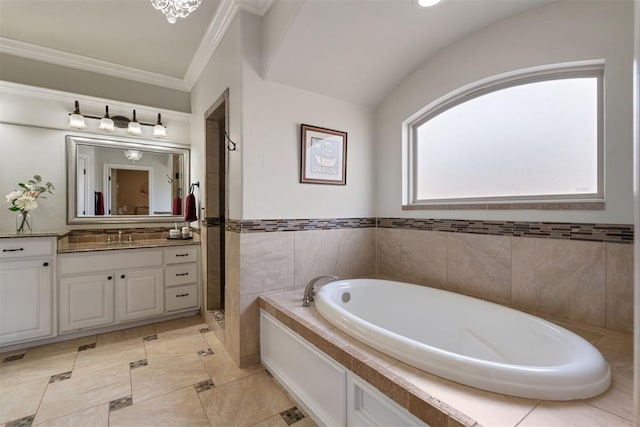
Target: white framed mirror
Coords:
[(119, 181)]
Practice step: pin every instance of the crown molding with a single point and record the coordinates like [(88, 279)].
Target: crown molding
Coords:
[(226, 12), (72, 60)]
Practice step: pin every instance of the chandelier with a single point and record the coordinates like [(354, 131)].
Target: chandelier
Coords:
[(175, 9)]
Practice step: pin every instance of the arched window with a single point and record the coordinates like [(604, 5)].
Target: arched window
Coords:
[(535, 137)]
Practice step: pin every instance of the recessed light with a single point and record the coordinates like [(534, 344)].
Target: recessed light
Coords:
[(427, 3)]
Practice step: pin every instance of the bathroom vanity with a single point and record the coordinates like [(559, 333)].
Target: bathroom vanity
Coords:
[(50, 291), (27, 297)]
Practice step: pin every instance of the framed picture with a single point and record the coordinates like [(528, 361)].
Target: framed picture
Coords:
[(323, 156)]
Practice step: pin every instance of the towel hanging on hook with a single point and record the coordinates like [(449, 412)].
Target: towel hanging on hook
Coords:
[(231, 146), (190, 213)]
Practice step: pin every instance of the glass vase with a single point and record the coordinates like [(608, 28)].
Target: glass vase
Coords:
[(24, 222)]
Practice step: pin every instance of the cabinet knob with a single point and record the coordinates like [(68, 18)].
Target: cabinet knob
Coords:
[(122, 277), (46, 264), (109, 277)]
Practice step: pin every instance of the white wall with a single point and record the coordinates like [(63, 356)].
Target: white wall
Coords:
[(224, 71), (33, 127), (272, 115), (559, 33)]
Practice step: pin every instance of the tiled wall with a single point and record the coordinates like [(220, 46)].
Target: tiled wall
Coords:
[(258, 263), (557, 272)]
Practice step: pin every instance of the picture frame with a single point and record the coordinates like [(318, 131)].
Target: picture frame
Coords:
[(323, 156)]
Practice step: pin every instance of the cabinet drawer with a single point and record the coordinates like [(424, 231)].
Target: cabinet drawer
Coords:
[(26, 247), (181, 254), (181, 274), (181, 297), (114, 260)]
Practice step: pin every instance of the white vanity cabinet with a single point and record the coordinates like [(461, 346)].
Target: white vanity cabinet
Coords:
[(86, 301), (103, 288), (27, 271), (140, 293), (181, 278)]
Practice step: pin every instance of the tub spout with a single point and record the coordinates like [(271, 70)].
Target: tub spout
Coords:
[(310, 292)]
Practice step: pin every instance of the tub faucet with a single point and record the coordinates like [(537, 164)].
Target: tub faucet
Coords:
[(310, 292)]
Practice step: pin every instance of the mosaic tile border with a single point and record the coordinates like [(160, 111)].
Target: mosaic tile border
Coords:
[(613, 233), (271, 225)]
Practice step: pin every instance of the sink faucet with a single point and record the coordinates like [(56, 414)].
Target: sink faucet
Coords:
[(310, 292)]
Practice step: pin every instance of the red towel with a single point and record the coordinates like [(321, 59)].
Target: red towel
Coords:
[(190, 208), (177, 206), (99, 203)]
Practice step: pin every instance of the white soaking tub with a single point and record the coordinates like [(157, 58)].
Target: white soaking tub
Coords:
[(465, 339)]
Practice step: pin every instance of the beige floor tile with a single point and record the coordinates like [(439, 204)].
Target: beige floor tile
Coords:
[(179, 408), (570, 414), (166, 374), (244, 402), (182, 325), (175, 345), (222, 369), (31, 368), (98, 416), (274, 421), (87, 387), (618, 399), (489, 409), (213, 341), (21, 400), (123, 335), (112, 354), (59, 348)]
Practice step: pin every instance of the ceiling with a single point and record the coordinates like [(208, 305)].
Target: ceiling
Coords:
[(354, 50)]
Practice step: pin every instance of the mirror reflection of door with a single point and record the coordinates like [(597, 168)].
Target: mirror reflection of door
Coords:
[(82, 186), (129, 191)]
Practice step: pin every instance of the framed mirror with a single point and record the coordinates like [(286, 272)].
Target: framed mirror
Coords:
[(117, 181)]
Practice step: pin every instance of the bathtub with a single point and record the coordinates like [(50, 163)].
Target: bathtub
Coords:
[(465, 339)]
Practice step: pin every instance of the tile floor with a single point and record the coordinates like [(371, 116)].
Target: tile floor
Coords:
[(173, 373)]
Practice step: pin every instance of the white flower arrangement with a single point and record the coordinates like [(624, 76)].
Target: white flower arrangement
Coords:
[(24, 200)]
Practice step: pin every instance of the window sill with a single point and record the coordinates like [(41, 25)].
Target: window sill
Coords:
[(544, 206)]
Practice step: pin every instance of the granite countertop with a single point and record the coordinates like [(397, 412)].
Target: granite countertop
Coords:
[(440, 402), (58, 234), (65, 247)]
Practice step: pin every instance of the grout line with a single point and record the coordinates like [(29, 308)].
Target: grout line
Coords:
[(527, 414), (588, 402)]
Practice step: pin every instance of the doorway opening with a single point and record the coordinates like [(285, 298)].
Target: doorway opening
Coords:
[(216, 206)]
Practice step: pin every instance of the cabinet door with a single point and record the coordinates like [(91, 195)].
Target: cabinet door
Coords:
[(25, 300), (140, 293), (86, 301)]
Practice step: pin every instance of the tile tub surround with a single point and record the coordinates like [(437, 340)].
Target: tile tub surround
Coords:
[(440, 402), (586, 281), (260, 262), (470, 257), (182, 377)]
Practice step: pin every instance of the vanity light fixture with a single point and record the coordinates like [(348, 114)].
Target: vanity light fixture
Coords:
[(159, 129), (175, 9), (133, 155), (106, 123), (134, 127), (77, 120)]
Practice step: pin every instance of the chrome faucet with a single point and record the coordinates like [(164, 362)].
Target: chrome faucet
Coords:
[(310, 292)]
